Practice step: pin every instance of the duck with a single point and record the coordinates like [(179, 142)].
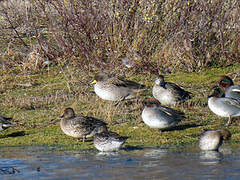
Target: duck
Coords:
[(80, 126), (169, 93), (161, 117), (108, 141), (229, 89), (211, 140), (5, 122), (113, 88), (223, 106)]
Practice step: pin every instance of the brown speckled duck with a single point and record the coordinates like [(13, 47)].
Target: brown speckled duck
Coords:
[(108, 141), (80, 126)]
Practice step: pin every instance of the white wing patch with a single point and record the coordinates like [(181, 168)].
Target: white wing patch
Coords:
[(236, 90)]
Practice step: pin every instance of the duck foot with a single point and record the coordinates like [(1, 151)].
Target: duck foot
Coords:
[(229, 121)]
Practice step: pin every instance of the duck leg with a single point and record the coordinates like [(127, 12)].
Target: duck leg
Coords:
[(83, 140), (117, 103), (229, 121), (122, 99)]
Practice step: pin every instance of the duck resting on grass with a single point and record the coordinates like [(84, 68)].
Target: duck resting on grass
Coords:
[(169, 93), (115, 89), (80, 126), (156, 116), (223, 106), (229, 89)]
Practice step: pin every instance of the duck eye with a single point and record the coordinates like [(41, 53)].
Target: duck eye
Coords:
[(224, 84)]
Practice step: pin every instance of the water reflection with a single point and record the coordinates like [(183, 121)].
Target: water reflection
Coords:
[(226, 149), (107, 155), (155, 153), (141, 163), (210, 157)]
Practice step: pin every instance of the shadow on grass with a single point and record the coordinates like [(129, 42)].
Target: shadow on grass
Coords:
[(182, 127), (16, 134), (80, 140)]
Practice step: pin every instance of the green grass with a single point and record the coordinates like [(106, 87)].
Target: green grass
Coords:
[(36, 99)]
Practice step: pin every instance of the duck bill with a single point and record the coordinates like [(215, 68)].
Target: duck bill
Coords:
[(94, 82)]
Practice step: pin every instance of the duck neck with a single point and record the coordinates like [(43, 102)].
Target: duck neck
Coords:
[(162, 84)]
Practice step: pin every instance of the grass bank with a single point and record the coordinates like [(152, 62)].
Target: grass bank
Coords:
[(35, 100)]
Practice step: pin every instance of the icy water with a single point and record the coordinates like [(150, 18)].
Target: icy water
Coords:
[(131, 163)]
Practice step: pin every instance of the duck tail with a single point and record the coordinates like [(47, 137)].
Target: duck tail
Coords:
[(7, 125)]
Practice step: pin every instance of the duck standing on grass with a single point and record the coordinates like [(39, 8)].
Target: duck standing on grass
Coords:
[(211, 140), (169, 93), (114, 88), (229, 89), (108, 141), (80, 126), (223, 106), (5, 122), (161, 117)]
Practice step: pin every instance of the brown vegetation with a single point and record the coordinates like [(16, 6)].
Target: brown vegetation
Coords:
[(157, 35)]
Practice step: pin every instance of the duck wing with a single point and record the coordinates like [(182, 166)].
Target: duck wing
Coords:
[(171, 112), (231, 102), (86, 124), (117, 136), (233, 92), (180, 93), (94, 122), (120, 82), (235, 88)]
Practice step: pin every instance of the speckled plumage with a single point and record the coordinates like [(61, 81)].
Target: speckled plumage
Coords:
[(108, 141), (114, 88), (169, 93), (156, 116), (211, 140), (80, 126)]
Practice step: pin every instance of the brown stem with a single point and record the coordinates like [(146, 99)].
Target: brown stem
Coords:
[(10, 22)]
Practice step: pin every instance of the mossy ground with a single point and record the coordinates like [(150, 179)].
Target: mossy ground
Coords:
[(35, 100)]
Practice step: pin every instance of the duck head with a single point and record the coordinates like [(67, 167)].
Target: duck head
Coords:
[(100, 77), (68, 113), (101, 129), (160, 80), (217, 92), (225, 134), (225, 82), (151, 103)]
